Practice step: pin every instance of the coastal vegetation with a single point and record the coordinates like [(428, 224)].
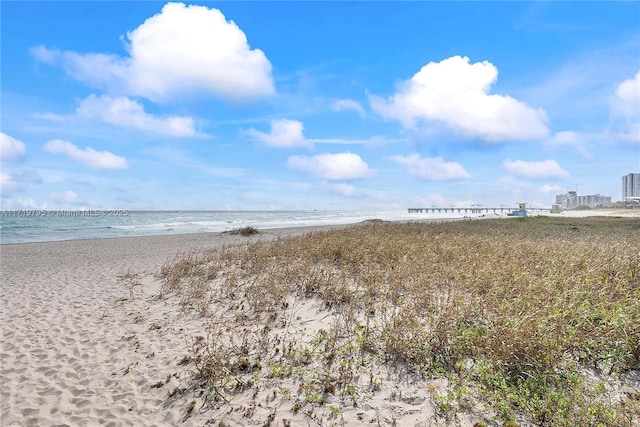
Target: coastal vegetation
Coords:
[(243, 231), (528, 321)]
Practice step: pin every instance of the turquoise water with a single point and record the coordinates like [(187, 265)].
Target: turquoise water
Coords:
[(23, 226)]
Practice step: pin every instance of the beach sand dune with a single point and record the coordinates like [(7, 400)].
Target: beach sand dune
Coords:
[(82, 346), (77, 350)]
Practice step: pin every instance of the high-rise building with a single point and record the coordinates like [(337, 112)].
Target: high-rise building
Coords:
[(594, 200), (561, 200), (630, 185)]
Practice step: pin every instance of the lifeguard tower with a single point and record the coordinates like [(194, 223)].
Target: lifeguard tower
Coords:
[(522, 210)]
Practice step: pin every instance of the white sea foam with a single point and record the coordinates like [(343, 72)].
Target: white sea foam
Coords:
[(23, 229)]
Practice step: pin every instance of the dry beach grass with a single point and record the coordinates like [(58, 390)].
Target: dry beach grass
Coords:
[(524, 321)]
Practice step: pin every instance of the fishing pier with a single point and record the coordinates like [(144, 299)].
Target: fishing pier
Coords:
[(473, 210)]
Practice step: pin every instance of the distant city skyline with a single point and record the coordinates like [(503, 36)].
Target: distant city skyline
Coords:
[(573, 200), (315, 105)]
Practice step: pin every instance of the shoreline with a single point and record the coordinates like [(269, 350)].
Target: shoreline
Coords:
[(196, 235), (625, 213)]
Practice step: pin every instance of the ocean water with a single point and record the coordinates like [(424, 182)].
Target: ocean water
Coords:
[(24, 226)]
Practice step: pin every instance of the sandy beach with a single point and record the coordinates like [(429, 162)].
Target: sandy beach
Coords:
[(75, 349), (78, 350)]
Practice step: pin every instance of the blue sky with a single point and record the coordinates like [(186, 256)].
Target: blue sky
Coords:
[(316, 105)]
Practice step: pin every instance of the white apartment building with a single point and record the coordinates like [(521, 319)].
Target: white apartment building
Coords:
[(630, 185), (572, 200), (594, 200), (569, 200)]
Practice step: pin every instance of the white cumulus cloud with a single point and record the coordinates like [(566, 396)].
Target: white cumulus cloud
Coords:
[(431, 168), (572, 139), (349, 105), (16, 182), (11, 148), (625, 105), (182, 49), (627, 96), (457, 93), (66, 197), (8, 184), (332, 167), (543, 169), (341, 188), (70, 198), (547, 188), (87, 156), (284, 134), (20, 203), (124, 112)]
